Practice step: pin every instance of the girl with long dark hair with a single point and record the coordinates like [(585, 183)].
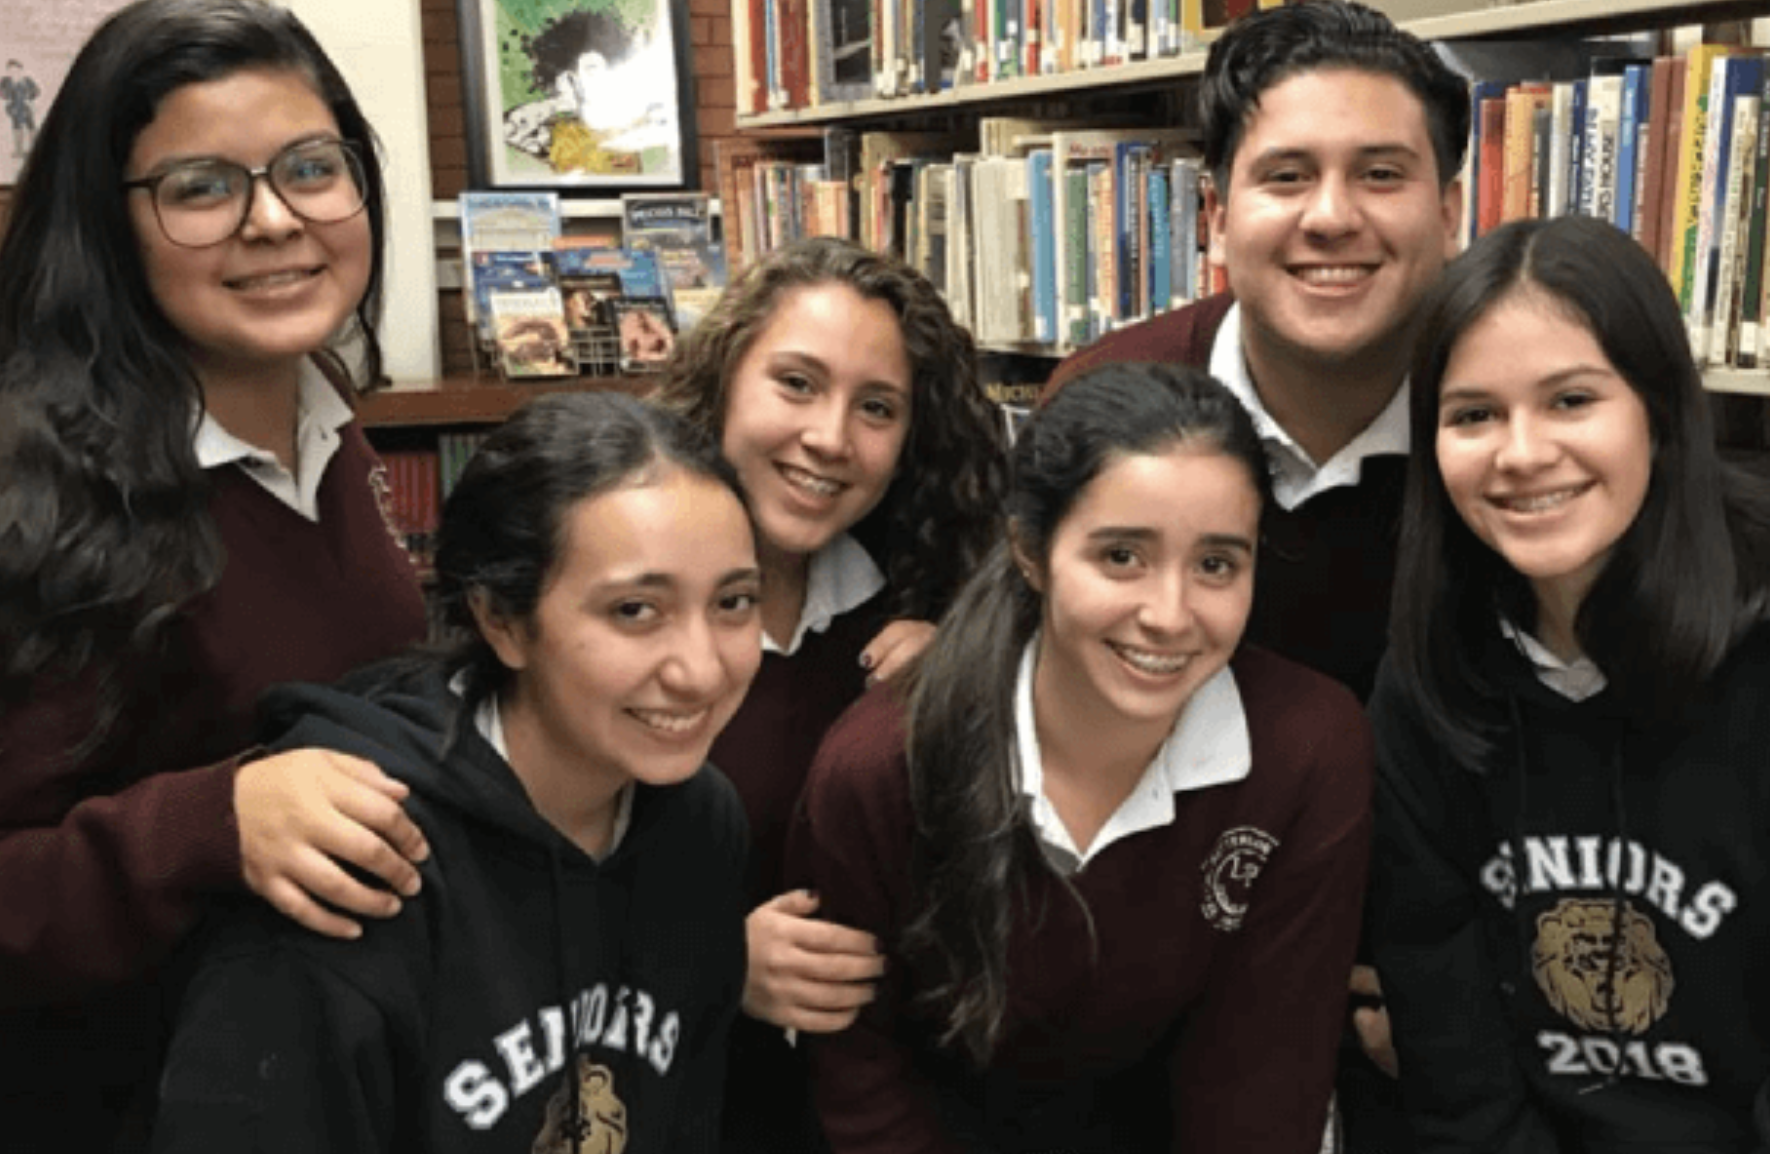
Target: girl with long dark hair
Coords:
[(1572, 719), (188, 513), (1116, 857), (838, 385)]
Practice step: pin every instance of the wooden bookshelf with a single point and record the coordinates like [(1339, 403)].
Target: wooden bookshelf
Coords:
[(1571, 18), (472, 400)]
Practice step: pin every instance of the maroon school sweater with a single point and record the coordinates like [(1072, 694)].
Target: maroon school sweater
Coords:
[(1196, 1027), (766, 751), (106, 862), (1326, 568)]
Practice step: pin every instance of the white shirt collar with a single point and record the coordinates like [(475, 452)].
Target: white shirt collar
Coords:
[(1295, 477), (1575, 680), (320, 413), (488, 719), (1208, 746), (840, 577)]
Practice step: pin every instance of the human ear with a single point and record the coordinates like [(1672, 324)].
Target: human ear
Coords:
[(1216, 214), (1024, 560), (508, 638)]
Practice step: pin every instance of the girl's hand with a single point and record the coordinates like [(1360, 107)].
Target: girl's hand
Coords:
[(806, 974), (898, 644), (304, 812), (1372, 1021)]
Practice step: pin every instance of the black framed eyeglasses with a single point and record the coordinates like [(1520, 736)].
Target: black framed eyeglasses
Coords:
[(201, 203)]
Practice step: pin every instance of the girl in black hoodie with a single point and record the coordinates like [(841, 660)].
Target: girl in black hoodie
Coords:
[(1573, 722), (566, 978)]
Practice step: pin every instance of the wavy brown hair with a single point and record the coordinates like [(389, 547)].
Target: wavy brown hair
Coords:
[(943, 508)]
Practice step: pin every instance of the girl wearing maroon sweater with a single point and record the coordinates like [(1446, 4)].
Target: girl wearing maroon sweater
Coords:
[(188, 513), (838, 385), (1117, 859)]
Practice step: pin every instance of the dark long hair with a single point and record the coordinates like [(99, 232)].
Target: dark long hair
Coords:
[(503, 525), (943, 508), (104, 530), (973, 847), (1683, 580)]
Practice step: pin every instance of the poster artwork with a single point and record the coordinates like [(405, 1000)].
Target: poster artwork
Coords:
[(581, 92)]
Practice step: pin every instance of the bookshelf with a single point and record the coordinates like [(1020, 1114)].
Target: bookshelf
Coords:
[(1106, 92), (470, 400)]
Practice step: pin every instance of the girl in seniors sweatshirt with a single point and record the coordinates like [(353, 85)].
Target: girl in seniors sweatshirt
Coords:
[(565, 981)]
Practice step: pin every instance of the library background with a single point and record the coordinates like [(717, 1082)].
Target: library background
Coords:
[(1036, 159)]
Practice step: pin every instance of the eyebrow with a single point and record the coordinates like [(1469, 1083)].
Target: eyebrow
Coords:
[(806, 360), (656, 580), (1562, 376), (1142, 533), (1368, 152), (178, 160)]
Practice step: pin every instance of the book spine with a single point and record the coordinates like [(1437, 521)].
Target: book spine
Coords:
[(1752, 319)]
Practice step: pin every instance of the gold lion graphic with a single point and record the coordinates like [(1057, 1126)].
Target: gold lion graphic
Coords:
[(1571, 961), (602, 1118)]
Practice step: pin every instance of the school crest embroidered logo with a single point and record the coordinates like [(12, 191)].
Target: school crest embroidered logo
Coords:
[(1229, 874), (382, 486), (1571, 962), (601, 1124)]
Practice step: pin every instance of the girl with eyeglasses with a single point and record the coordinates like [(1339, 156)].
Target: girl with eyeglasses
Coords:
[(188, 513)]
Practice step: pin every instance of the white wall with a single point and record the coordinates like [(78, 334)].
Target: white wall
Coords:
[(378, 46)]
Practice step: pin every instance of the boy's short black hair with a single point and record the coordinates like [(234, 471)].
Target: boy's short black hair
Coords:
[(1273, 44)]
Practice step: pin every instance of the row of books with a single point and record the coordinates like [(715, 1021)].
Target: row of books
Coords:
[(546, 304), (1038, 232), (1673, 149), (418, 482), (798, 54)]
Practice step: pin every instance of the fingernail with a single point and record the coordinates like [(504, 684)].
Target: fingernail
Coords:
[(411, 888), (866, 660)]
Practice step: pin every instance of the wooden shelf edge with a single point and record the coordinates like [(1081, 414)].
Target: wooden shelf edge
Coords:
[(473, 400), (1535, 17)]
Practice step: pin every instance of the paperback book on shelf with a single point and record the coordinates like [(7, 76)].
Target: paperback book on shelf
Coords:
[(502, 222), (678, 227), (529, 331), (646, 331)]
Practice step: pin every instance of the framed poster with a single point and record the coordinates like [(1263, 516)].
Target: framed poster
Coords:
[(39, 41), (578, 93)]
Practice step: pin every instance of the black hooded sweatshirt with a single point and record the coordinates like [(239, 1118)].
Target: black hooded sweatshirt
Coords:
[(458, 1024), (1523, 1025)]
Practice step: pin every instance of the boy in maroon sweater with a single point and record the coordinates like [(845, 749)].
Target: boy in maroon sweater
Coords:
[(1333, 141)]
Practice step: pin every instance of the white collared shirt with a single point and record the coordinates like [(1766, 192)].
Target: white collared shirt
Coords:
[(841, 576), (320, 413), (1575, 680), (1208, 746), (1295, 476), (488, 719)]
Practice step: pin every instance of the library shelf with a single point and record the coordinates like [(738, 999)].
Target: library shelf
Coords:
[(471, 400)]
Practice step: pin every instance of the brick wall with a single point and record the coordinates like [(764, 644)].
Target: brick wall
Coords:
[(709, 33)]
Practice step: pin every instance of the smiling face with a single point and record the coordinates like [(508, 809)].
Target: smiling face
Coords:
[(816, 415), (1146, 596), (644, 640), (1545, 449), (1334, 223), (280, 287)]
